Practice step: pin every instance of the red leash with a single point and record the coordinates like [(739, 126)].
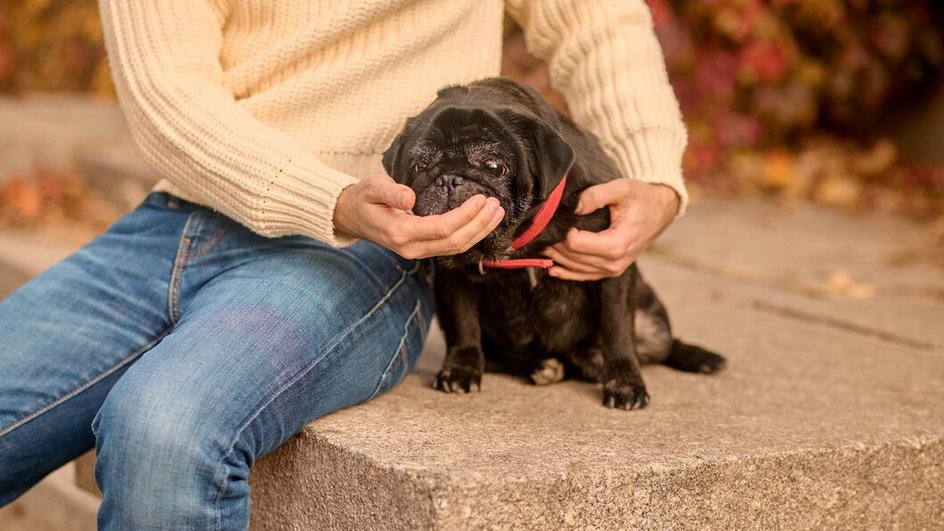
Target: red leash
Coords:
[(540, 221)]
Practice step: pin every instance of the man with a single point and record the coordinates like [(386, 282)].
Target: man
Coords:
[(275, 275)]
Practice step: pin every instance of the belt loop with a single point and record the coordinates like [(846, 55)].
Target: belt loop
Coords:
[(172, 202)]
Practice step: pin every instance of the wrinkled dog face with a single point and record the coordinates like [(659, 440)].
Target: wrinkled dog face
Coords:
[(476, 140), (465, 152)]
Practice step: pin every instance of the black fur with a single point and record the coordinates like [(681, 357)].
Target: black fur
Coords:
[(501, 139)]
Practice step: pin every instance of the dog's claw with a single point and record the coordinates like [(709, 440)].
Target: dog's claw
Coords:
[(625, 395), (458, 380)]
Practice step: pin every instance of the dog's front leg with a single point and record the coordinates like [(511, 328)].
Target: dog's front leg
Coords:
[(458, 309), (623, 386)]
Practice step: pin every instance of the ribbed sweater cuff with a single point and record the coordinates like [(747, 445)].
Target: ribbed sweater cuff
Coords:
[(654, 156), (300, 199)]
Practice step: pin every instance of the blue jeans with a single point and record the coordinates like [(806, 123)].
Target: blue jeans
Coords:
[(183, 347)]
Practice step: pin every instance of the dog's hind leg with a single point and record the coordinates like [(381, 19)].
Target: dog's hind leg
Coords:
[(653, 337), (692, 358)]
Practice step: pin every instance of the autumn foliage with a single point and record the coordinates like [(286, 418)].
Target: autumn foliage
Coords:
[(785, 95)]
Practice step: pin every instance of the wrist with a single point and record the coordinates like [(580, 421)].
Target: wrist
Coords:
[(343, 218), (667, 199)]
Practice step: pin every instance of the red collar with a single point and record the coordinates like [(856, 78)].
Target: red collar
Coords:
[(540, 221)]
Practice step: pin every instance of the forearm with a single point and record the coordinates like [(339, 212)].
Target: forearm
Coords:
[(164, 59)]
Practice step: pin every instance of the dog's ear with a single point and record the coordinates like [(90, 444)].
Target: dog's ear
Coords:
[(552, 159), (549, 156), (393, 157)]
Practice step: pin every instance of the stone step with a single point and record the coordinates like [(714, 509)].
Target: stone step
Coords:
[(54, 129), (829, 415), (74, 132)]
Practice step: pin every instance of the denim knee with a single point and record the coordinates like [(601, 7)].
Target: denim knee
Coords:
[(157, 462)]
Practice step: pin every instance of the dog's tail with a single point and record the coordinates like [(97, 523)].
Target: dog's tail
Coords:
[(692, 358)]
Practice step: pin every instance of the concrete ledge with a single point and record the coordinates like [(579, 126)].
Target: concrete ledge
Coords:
[(889, 487), (829, 416)]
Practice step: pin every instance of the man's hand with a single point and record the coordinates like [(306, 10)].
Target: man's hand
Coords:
[(376, 209), (639, 212)]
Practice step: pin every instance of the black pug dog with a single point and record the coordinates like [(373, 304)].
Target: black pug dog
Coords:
[(501, 139)]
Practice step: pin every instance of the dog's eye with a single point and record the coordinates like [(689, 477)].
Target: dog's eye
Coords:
[(418, 167), (494, 165)]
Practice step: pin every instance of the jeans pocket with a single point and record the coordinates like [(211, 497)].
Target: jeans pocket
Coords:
[(406, 353)]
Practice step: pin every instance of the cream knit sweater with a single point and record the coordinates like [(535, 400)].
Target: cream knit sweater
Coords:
[(265, 110)]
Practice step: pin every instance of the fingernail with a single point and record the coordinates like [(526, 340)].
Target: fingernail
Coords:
[(401, 197), (499, 215), (492, 205), (579, 207)]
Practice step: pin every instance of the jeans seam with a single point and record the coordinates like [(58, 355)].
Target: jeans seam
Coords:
[(76, 391), (176, 275), (398, 353), (220, 486)]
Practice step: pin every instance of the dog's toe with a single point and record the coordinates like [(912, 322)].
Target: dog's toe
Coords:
[(625, 395), (548, 371), (457, 380)]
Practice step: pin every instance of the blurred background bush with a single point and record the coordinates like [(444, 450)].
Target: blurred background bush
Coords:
[(788, 98), (782, 98), (52, 45)]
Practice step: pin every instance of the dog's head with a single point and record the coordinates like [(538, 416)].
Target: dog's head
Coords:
[(493, 137)]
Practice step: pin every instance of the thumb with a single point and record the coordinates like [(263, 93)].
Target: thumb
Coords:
[(398, 196), (594, 198)]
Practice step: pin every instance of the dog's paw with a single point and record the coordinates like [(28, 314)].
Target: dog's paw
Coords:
[(458, 380), (625, 395), (624, 388), (547, 371)]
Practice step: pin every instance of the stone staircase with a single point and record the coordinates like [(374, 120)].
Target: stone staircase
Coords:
[(829, 415)]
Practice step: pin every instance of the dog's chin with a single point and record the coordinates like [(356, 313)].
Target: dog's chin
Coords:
[(434, 200), (492, 247)]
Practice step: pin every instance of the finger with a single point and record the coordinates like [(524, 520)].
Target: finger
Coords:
[(385, 191), (609, 243), (600, 195), (497, 218), (464, 238), (560, 250), (566, 274), (572, 264), (441, 226), (596, 265)]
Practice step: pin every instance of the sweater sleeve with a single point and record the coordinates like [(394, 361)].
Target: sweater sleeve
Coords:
[(604, 58), (164, 56)]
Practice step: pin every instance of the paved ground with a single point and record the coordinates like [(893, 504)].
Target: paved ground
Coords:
[(55, 130), (63, 131)]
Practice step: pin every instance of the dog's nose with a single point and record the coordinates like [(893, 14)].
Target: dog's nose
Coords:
[(449, 182)]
